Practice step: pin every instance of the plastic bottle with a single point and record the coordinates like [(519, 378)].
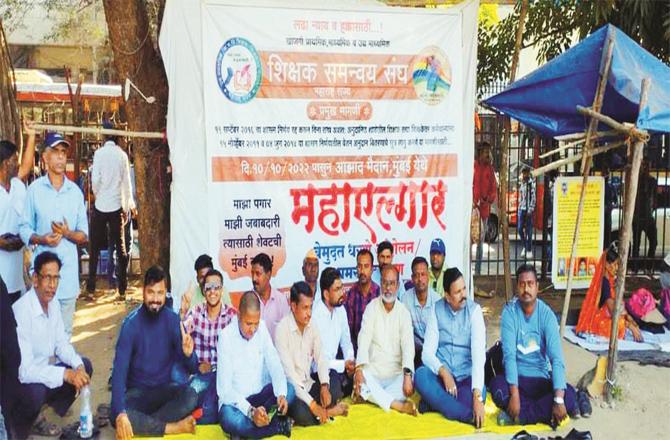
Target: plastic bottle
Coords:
[(85, 415)]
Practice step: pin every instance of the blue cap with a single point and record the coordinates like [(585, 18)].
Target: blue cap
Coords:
[(52, 139), (438, 246)]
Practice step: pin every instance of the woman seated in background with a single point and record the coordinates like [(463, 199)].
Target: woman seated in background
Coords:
[(597, 309)]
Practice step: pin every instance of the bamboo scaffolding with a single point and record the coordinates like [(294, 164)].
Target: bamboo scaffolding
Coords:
[(595, 137), (96, 130), (574, 158)]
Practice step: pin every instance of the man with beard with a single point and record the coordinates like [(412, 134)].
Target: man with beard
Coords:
[(330, 318), (451, 381), (528, 392), (299, 347), (12, 199), (196, 295), (360, 294), (310, 270), (204, 322), (385, 358), (51, 371), (151, 339), (274, 304), (420, 302), (54, 219)]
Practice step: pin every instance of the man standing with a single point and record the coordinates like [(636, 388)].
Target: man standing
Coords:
[(360, 294), (643, 220), (384, 257), (204, 322), (151, 340), (299, 347), (385, 359), (50, 370), (247, 359), (330, 318), (436, 274), (452, 378), (114, 203), (525, 212), (12, 200), (527, 391), (483, 195), (420, 302), (54, 218), (195, 296), (274, 304)]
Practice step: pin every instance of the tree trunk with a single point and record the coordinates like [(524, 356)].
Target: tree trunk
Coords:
[(136, 58), (10, 121)]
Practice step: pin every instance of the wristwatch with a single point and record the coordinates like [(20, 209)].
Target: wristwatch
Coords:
[(250, 413), (407, 372), (559, 400), (477, 394)]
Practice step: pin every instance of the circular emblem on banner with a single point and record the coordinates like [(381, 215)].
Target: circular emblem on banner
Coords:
[(238, 70), (431, 75)]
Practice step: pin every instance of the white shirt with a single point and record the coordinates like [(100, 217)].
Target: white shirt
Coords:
[(386, 340), (334, 331), (110, 179), (11, 210), (41, 337), (245, 366)]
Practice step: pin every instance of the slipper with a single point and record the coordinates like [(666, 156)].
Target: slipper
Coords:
[(45, 428), (482, 294), (71, 431)]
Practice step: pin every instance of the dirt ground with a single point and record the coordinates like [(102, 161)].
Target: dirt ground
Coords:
[(642, 412)]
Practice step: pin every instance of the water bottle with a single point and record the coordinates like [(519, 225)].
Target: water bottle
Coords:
[(85, 416)]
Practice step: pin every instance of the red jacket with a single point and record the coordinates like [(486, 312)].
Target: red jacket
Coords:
[(484, 188)]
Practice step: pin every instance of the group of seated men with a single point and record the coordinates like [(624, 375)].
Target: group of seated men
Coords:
[(273, 362)]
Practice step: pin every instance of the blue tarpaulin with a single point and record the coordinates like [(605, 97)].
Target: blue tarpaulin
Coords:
[(546, 99)]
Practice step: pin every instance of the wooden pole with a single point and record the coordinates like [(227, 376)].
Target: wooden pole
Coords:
[(578, 142), (586, 169), (95, 130), (632, 131), (574, 158), (624, 245), (504, 165)]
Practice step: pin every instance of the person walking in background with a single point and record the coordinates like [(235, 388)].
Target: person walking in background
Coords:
[(484, 190), (525, 214)]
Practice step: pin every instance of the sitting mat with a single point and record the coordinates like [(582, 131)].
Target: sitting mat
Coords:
[(367, 421)]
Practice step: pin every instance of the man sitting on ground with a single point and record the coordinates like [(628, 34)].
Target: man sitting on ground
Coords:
[(50, 370), (437, 266), (360, 294), (246, 360), (274, 304), (204, 322), (527, 391), (385, 256), (310, 270), (452, 378), (331, 319), (385, 359), (299, 346), (151, 339), (196, 295), (420, 302)]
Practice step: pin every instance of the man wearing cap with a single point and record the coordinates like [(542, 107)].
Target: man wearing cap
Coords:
[(436, 274), (385, 256), (12, 199), (310, 270), (54, 219), (114, 204)]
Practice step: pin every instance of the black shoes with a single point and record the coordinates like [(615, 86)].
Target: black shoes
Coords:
[(584, 404)]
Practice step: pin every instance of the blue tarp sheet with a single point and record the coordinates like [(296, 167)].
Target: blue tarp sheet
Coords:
[(546, 99)]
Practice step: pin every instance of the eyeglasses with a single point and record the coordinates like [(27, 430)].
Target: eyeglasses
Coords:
[(50, 278), (211, 287)]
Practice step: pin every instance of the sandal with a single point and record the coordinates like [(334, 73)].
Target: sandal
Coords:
[(45, 428)]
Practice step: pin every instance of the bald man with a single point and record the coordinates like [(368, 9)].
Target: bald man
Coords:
[(246, 359)]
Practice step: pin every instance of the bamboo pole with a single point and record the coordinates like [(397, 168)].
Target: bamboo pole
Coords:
[(629, 130), (95, 130), (624, 245), (574, 158), (595, 137), (582, 136), (504, 165), (605, 64)]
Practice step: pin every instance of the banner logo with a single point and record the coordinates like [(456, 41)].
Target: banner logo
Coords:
[(431, 75), (238, 70)]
